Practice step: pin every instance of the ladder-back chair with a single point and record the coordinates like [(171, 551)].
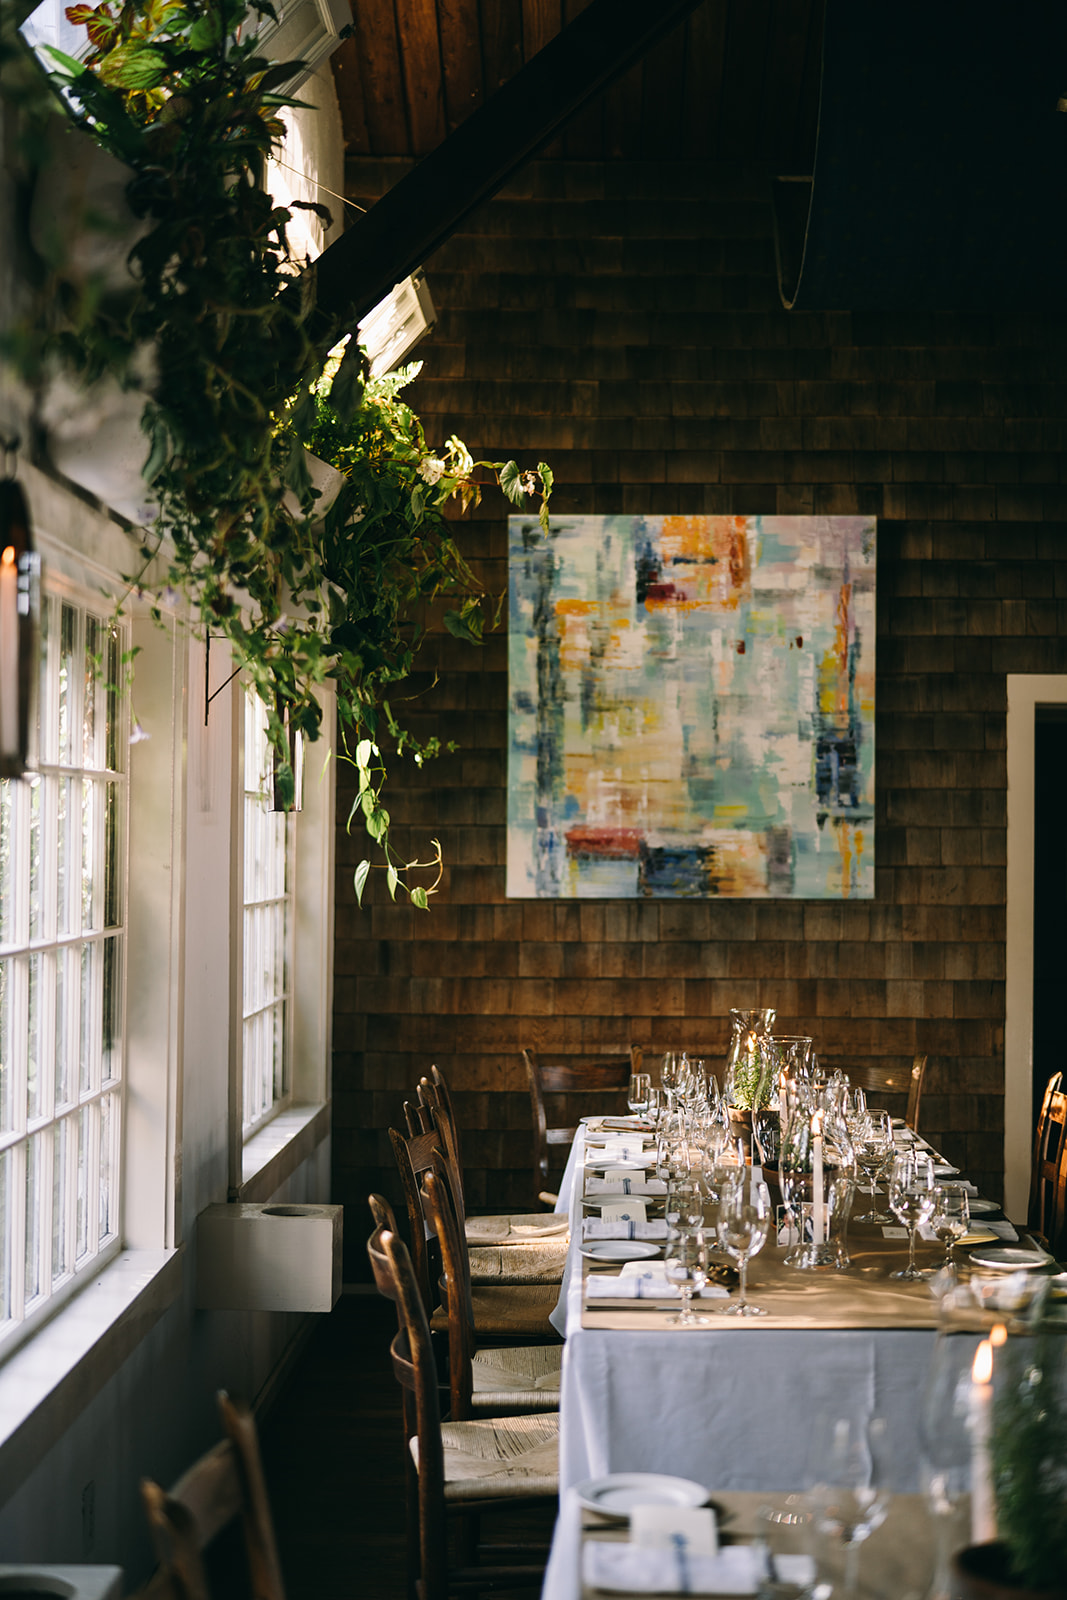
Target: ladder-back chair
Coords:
[(883, 1080), (225, 1483), (601, 1076), (512, 1310), (462, 1468), (495, 1379)]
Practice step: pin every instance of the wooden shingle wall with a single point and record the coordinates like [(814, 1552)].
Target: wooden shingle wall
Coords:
[(622, 322)]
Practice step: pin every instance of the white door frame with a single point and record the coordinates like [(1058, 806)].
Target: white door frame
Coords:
[(1026, 692)]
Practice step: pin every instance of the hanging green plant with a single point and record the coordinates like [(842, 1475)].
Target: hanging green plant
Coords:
[(239, 390)]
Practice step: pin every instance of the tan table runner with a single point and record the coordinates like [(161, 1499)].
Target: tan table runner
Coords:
[(864, 1296), (896, 1561)]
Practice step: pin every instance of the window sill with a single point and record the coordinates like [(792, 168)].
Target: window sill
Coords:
[(273, 1154), (50, 1379)]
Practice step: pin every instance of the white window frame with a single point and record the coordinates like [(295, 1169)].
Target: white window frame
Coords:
[(53, 943), (280, 832)]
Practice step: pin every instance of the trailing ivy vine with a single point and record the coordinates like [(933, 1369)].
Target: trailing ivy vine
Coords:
[(239, 389)]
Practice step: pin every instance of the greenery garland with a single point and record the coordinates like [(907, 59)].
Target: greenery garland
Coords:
[(177, 91)]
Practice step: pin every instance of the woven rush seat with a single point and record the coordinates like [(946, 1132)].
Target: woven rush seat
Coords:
[(517, 1228), (525, 1376), (508, 1456), (539, 1261), (515, 1311)]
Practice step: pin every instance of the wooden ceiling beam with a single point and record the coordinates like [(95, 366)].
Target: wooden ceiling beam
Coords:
[(426, 207)]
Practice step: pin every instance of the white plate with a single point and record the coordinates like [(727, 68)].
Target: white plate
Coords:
[(979, 1208), (1011, 1258), (620, 1249), (618, 1493)]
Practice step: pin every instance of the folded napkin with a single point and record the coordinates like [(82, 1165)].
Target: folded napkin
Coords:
[(604, 1286), (623, 1151), (1003, 1230), (595, 1228), (636, 1569), (624, 1124), (621, 1186)]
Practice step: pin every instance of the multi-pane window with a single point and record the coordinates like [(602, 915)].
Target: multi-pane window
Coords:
[(62, 958), (268, 930)]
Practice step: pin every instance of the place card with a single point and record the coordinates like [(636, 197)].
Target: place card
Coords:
[(633, 1174), (658, 1527), (624, 1211), (894, 1233)]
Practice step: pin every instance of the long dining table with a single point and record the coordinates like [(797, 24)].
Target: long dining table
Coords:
[(732, 1404)]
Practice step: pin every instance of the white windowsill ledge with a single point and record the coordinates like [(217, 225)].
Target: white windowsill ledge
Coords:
[(273, 1154), (48, 1382)]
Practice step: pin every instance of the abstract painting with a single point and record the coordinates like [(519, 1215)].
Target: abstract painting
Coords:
[(691, 707)]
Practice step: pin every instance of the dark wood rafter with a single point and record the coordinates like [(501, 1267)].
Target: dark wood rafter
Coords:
[(424, 209)]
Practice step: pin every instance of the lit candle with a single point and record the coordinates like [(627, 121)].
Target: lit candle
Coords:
[(818, 1194), (983, 1503), (9, 653)]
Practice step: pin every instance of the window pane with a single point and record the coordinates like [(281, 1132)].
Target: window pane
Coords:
[(7, 860), (92, 665), (66, 987), (7, 974), (86, 1042), (33, 786), (114, 706), (89, 855), (80, 1132), (5, 1236), (68, 633), (33, 1049), (34, 1281), (112, 857), (108, 1119), (60, 1192), (111, 1031), (267, 928), (66, 853)]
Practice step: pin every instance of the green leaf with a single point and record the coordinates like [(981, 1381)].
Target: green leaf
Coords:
[(418, 898), (346, 391), (511, 482), (392, 878), (205, 33), (359, 880), (364, 750), (76, 69), (460, 628)]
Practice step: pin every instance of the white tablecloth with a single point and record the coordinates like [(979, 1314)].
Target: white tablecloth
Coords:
[(731, 1408)]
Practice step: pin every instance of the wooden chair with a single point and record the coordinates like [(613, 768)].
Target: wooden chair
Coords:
[(605, 1076), (496, 1380), (512, 1258), (882, 1080), (512, 1311), (225, 1483), (462, 1468), (1047, 1214)]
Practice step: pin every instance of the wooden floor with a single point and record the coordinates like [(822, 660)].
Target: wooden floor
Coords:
[(333, 1454)]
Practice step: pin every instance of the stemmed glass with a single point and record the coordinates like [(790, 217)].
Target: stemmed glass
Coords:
[(873, 1147), (951, 1219), (744, 1220), (637, 1095), (912, 1197), (685, 1262), (685, 1203), (946, 1447), (668, 1077), (849, 1497)]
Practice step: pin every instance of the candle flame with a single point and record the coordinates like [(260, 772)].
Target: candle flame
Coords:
[(998, 1335), (982, 1370), (8, 557)]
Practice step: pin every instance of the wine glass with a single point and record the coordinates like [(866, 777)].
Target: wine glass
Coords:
[(872, 1149), (951, 1219), (637, 1095), (912, 1197), (685, 1203), (946, 1447), (685, 1262), (668, 1077), (849, 1496), (744, 1220)]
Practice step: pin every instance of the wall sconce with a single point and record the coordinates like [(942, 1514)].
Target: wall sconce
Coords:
[(19, 594), (396, 324)]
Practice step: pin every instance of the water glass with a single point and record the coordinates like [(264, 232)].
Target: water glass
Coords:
[(685, 1262), (873, 1147), (637, 1096), (849, 1495), (912, 1197), (745, 1213), (951, 1219)]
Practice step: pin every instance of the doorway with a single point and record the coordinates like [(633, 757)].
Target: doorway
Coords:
[(1036, 912)]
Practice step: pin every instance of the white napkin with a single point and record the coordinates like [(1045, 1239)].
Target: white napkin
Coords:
[(1003, 1230), (627, 1150), (624, 1124), (621, 1186), (635, 1569), (643, 1280), (596, 1228)]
